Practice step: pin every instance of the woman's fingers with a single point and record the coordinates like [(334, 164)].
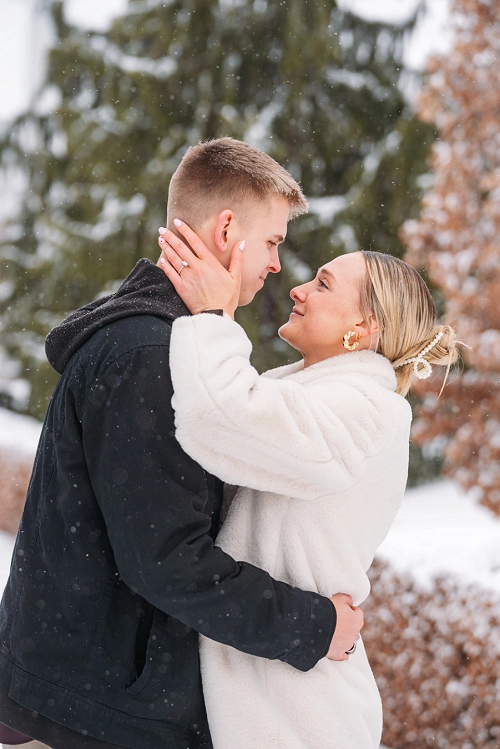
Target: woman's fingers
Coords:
[(199, 248), (236, 264), (177, 263), (170, 273), (169, 253), (180, 247)]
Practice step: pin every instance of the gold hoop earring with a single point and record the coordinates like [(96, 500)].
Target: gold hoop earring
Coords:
[(350, 346)]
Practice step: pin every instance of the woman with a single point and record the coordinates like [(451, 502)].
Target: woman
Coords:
[(320, 449)]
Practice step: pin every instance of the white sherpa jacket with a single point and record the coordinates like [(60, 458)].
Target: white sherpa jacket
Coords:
[(323, 455)]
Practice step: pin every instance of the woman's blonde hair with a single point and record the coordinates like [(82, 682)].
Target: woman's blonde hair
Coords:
[(398, 297)]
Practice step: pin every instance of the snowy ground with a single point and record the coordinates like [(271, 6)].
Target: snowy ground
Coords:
[(6, 546), (439, 529), (18, 433)]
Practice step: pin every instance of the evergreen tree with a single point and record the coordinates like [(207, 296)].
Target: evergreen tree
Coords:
[(457, 240), (315, 87)]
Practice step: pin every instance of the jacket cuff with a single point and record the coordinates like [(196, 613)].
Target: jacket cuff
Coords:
[(316, 635)]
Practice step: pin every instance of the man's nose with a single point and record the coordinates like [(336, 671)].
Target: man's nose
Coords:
[(274, 263)]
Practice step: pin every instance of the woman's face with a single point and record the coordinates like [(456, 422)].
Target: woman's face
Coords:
[(327, 308)]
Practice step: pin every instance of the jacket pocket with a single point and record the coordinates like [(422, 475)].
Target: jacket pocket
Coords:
[(151, 656)]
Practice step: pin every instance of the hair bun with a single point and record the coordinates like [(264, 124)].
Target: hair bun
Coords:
[(445, 352), (421, 366)]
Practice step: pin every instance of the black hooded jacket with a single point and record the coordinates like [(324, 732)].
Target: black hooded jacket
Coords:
[(115, 570)]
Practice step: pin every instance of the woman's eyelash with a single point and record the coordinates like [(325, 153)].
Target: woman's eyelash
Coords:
[(322, 283)]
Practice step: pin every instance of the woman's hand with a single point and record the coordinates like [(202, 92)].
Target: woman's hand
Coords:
[(197, 276)]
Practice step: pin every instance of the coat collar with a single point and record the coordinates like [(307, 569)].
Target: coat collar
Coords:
[(344, 366)]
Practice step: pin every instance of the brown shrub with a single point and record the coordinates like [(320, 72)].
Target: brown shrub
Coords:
[(15, 472), (435, 655)]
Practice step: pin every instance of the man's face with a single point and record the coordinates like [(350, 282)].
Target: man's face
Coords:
[(263, 227)]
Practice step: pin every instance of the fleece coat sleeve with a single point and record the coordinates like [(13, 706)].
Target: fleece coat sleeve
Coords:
[(148, 491), (274, 435)]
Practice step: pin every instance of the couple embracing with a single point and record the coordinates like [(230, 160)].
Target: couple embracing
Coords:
[(133, 617)]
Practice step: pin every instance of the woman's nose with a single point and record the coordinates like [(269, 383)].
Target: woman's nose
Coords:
[(299, 293)]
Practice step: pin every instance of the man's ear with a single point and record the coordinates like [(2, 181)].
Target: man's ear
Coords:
[(224, 221)]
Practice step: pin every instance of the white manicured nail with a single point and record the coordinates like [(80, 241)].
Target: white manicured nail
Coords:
[(177, 222), (162, 230), (242, 245), (162, 260)]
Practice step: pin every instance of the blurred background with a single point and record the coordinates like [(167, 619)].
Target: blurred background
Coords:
[(388, 113)]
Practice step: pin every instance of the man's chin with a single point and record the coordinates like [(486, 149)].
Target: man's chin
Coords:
[(247, 296), (245, 300)]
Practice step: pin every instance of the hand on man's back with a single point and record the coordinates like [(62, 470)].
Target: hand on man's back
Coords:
[(349, 624)]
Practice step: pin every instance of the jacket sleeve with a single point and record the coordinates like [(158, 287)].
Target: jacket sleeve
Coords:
[(153, 498), (274, 435)]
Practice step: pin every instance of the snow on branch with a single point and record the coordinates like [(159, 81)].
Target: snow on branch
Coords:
[(162, 68)]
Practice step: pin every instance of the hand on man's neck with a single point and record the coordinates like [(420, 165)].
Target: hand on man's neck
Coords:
[(214, 235)]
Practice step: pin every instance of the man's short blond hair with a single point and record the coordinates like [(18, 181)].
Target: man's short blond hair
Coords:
[(227, 174)]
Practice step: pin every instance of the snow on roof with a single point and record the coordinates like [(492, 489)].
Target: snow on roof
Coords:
[(442, 530), (19, 433)]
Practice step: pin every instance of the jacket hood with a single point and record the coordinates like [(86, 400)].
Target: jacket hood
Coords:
[(145, 291)]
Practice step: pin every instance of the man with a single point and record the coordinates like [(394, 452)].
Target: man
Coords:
[(116, 571)]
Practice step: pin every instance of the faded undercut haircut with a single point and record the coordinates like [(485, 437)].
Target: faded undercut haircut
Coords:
[(228, 174)]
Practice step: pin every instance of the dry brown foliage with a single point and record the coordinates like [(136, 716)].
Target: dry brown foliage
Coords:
[(457, 240), (436, 658), (15, 472)]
